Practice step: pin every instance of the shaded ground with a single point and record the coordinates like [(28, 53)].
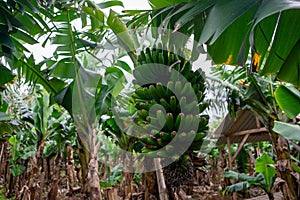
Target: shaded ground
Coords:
[(200, 192), (208, 185)]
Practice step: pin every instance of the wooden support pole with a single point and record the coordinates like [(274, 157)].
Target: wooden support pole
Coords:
[(296, 146), (240, 146), (229, 153), (162, 189)]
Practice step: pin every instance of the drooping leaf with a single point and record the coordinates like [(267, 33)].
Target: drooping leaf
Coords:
[(123, 65), (289, 131), (268, 8), (5, 40), (237, 187), (230, 46), (94, 12), (221, 16), (32, 24), (288, 99), (6, 75), (115, 78), (165, 3), (103, 103), (282, 50), (33, 74), (64, 97), (64, 68), (290, 70), (21, 35), (191, 10), (108, 4), (121, 31)]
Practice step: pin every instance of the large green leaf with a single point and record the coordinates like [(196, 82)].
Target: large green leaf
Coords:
[(270, 7), (64, 68), (6, 75), (5, 40), (165, 3), (282, 48), (32, 24), (94, 12), (121, 31), (123, 65), (108, 4), (260, 40), (191, 10), (64, 97), (237, 187), (290, 70), (262, 165), (230, 31), (288, 99), (25, 37), (33, 74), (241, 176), (289, 131), (232, 46), (222, 15)]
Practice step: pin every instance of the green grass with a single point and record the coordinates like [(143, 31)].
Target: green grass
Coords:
[(2, 192)]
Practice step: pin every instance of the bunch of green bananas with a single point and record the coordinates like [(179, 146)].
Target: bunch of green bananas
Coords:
[(165, 78)]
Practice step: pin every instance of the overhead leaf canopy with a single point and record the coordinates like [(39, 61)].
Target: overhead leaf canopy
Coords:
[(232, 28)]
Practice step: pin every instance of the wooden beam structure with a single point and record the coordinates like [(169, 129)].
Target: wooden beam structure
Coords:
[(240, 146), (246, 132)]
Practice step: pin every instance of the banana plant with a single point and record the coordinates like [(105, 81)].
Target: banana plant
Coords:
[(87, 94), (45, 120), (265, 178), (258, 95)]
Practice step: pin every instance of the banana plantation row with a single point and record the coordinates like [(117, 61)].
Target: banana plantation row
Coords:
[(125, 106)]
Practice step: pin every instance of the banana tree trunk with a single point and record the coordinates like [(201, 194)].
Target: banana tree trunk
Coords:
[(150, 184), (70, 169), (284, 168), (83, 159), (89, 165), (93, 182), (126, 184), (36, 176), (55, 178), (270, 196), (5, 166)]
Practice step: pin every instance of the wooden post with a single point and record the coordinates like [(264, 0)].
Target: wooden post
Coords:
[(240, 146), (162, 189), (229, 154)]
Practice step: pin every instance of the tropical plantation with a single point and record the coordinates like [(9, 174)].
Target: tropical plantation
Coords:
[(179, 99)]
